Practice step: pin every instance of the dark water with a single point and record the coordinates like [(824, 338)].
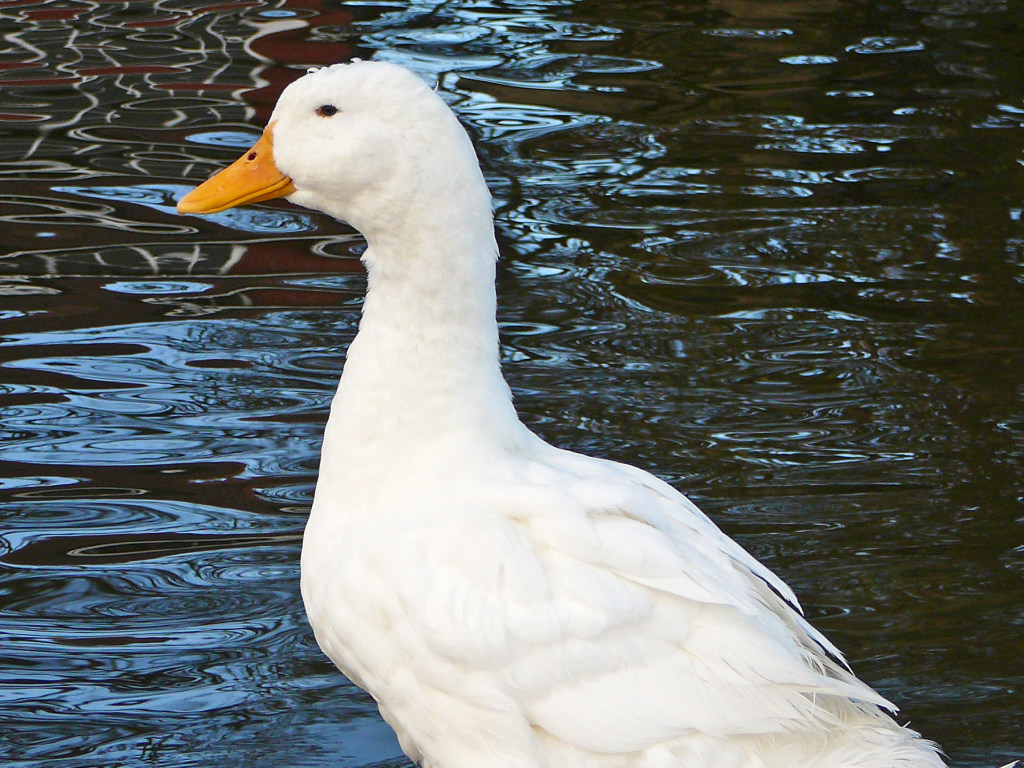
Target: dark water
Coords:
[(773, 251)]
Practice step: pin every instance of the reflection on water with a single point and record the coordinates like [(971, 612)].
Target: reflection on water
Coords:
[(772, 251)]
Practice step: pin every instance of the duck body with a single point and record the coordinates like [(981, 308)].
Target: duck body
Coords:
[(505, 602), (537, 617)]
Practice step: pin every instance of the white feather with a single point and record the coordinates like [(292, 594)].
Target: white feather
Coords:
[(507, 603)]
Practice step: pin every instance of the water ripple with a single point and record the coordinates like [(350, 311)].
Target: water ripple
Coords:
[(774, 260)]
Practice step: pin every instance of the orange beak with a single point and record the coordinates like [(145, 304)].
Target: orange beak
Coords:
[(252, 178)]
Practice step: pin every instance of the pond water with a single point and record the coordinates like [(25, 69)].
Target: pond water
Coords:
[(773, 252)]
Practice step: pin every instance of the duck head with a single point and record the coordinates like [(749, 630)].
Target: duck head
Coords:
[(368, 143)]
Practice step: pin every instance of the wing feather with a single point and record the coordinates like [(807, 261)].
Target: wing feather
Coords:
[(699, 635), (609, 612)]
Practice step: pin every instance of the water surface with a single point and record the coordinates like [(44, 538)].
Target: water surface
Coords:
[(773, 252)]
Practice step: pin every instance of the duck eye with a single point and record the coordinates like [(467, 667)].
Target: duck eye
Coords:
[(327, 110)]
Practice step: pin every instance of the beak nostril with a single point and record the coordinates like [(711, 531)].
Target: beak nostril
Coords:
[(252, 156)]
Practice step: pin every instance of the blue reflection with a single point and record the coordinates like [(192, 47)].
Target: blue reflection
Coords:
[(234, 139), (164, 197), (808, 59), (157, 288)]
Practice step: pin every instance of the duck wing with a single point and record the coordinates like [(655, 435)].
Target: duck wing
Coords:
[(613, 615)]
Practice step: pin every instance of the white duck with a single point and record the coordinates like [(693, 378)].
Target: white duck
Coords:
[(508, 603)]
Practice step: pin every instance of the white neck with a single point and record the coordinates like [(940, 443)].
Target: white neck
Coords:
[(422, 384)]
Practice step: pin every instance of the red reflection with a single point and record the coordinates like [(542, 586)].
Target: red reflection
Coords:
[(179, 86), (291, 48), (131, 69), (272, 259), (55, 13)]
